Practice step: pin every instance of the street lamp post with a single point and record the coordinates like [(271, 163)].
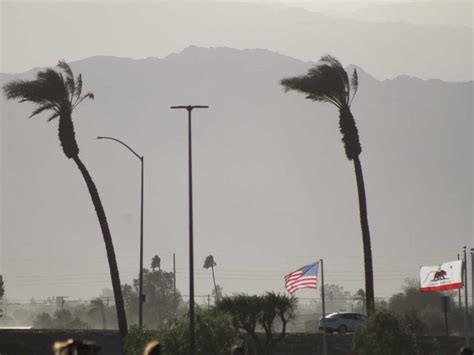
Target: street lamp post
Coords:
[(141, 297), (189, 108)]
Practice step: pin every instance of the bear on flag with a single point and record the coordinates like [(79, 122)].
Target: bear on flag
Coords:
[(446, 276)]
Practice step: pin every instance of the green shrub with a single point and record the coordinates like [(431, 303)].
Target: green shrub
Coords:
[(214, 334), (136, 340), (385, 334)]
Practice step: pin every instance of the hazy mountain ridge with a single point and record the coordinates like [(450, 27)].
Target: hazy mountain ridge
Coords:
[(195, 53), (455, 13), (447, 13), (386, 50), (269, 166)]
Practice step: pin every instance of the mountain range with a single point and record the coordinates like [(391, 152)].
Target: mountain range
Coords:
[(157, 29)]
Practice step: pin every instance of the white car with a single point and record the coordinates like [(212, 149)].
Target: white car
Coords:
[(342, 322)]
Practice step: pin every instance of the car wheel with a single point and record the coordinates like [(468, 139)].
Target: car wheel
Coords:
[(342, 329)]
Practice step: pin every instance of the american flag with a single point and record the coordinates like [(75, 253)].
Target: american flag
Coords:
[(304, 277)]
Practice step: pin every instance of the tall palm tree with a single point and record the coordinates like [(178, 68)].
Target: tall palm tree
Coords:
[(60, 93), (209, 262), (328, 82)]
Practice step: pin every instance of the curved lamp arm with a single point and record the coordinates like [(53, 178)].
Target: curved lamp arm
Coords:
[(124, 144)]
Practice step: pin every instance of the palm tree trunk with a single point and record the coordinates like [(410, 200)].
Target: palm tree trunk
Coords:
[(364, 223), (67, 136), (104, 321), (215, 286), (114, 273)]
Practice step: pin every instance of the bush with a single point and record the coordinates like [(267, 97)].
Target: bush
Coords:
[(214, 334), (385, 334), (137, 339), (413, 324)]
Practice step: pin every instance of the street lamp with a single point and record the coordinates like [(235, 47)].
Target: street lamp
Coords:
[(141, 297), (189, 108)]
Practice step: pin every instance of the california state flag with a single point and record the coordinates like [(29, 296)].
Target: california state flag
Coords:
[(447, 276)]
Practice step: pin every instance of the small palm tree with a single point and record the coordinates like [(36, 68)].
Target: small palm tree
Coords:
[(156, 263), (61, 94), (328, 82), (98, 306), (359, 297), (209, 262)]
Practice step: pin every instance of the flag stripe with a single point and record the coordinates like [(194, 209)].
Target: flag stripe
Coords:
[(302, 285), (304, 277), (442, 287)]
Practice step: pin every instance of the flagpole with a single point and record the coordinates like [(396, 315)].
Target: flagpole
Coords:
[(459, 292), (466, 309), (324, 308)]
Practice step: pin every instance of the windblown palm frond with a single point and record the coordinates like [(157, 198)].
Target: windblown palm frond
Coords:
[(70, 84), (327, 81), (78, 90), (51, 90), (43, 107), (322, 89), (354, 84), (33, 91)]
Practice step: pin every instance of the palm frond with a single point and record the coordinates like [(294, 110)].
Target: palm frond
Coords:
[(43, 108), (70, 84), (24, 91), (52, 85), (78, 89), (89, 95), (337, 66), (317, 84), (56, 114), (327, 81), (330, 81), (354, 85)]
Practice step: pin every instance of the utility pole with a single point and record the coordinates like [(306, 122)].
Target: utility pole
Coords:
[(174, 275), (467, 332), (192, 339), (472, 277), (323, 308), (459, 294)]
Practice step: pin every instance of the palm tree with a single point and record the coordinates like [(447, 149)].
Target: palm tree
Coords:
[(98, 306), (61, 94), (156, 263), (328, 82), (209, 262), (359, 297)]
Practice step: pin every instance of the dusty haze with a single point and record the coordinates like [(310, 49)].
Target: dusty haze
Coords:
[(273, 189)]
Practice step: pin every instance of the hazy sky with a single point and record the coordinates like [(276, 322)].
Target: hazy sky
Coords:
[(38, 33)]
